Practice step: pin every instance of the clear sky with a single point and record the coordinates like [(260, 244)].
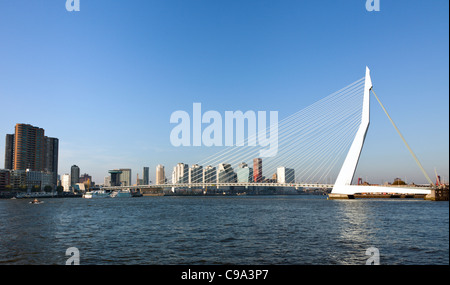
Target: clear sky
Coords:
[(106, 79)]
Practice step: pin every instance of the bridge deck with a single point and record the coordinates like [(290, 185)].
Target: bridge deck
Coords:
[(202, 185), (354, 188)]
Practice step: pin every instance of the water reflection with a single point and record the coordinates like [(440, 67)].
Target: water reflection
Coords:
[(355, 230)]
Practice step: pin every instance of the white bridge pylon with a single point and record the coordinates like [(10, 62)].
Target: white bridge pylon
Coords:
[(343, 186)]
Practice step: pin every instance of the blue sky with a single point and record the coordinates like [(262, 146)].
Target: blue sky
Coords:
[(105, 80)]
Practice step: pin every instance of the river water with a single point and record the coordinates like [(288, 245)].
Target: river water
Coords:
[(238, 230)]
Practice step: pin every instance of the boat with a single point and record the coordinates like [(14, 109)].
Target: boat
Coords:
[(126, 193), (96, 194), (36, 201)]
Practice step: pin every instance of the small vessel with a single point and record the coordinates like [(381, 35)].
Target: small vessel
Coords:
[(125, 193), (96, 194), (36, 201)]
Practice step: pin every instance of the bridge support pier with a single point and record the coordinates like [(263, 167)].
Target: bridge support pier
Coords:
[(333, 196), (438, 195)]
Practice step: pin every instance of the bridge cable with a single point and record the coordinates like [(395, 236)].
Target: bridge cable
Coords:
[(290, 133), (401, 136)]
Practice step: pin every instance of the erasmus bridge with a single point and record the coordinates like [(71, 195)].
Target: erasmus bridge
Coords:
[(321, 144)]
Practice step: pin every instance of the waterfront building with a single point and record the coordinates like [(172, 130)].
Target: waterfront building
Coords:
[(160, 174), (51, 157), (74, 175), (125, 177), (145, 180), (244, 173), (29, 148), (66, 182), (5, 182), (18, 180), (9, 151), (196, 174), (85, 178), (115, 177), (257, 170), (37, 180), (225, 174), (180, 173), (107, 181), (209, 174), (29, 151), (285, 175)]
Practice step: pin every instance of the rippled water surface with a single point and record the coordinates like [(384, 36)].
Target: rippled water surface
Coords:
[(224, 230)]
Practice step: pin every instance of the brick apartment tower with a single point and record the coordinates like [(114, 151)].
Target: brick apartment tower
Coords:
[(29, 148)]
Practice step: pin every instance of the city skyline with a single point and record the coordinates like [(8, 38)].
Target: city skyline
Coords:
[(105, 80), (182, 172)]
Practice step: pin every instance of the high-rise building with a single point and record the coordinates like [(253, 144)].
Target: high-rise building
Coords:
[(65, 182), (145, 176), (51, 157), (225, 174), (160, 174), (244, 173), (29, 148), (115, 177), (196, 174), (9, 152), (74, 175), (125, 177), (257, 170), (285, 175), (180, 173), (209, 174)]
